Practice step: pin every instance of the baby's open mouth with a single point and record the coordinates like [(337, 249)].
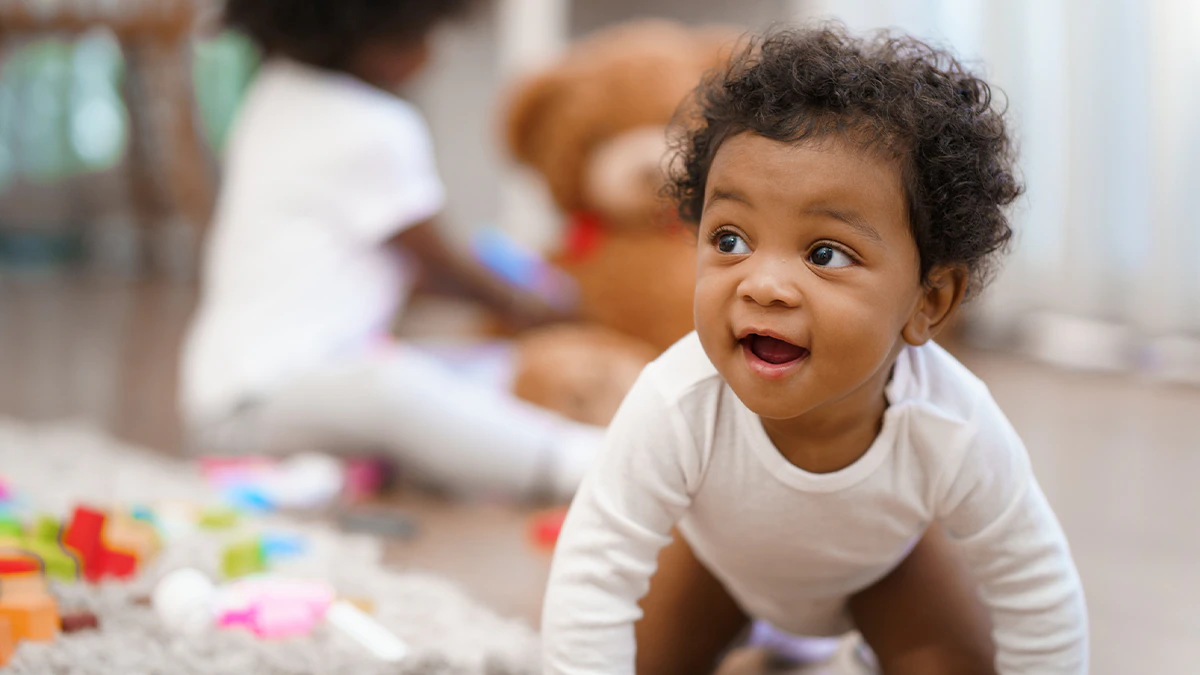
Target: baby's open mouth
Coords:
[(773, 350)]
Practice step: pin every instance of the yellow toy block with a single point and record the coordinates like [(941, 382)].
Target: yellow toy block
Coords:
[(126, 534)]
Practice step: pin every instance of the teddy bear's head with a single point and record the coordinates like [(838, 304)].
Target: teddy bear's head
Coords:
[(594, 123)]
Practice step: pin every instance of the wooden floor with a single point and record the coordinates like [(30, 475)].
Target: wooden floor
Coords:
[(1118, 458)]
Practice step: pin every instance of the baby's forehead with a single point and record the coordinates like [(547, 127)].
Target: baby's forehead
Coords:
[(751, 166)]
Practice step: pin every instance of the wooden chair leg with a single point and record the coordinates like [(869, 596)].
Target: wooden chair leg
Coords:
[(148, 207)]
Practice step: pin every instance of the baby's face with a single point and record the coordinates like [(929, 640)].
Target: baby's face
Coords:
[(807, 273)]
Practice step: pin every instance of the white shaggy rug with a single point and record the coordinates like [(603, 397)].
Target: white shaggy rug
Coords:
[(57, 467)]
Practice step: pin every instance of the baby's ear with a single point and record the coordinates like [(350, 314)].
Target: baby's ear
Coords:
[(941, 294)]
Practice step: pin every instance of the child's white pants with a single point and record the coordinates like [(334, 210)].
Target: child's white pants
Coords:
[(452, 427)]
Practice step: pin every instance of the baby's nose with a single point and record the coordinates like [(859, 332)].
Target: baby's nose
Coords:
[(772, 282)]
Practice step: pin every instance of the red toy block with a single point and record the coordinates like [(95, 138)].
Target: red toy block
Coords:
[(83, 535), (15, 562), (546, 527), (119, 565)]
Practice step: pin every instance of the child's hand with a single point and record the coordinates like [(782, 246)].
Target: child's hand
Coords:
[(530, 310)]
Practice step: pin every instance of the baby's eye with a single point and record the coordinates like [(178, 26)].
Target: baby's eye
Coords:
[(732, 244), (828, 256)]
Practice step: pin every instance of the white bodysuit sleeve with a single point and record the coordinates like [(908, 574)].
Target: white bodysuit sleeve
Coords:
[(996, 512), (621, 518), (383, 177)]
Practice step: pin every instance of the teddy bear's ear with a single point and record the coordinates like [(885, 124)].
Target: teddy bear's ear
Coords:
[(719, 43), (531, 103)]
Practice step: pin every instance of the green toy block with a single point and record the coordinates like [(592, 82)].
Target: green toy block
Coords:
[(243, 559), (10, 527), (45, 528), (58, 563), (219, 518)]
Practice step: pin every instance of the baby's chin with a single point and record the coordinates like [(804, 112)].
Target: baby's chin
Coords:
[(768, 402)]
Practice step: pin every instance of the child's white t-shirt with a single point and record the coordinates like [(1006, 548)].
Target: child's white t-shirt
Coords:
[(791, 546), (320, 172)]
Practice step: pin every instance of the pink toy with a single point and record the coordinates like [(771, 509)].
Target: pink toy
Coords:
[(273, 608), (224, 472), (365, 478)]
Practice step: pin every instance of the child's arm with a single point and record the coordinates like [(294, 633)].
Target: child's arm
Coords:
[(995, 511), (622, 516), (467, 276)]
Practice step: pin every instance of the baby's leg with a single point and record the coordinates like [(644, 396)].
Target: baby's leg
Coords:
[(690, 620), (437, 423), (925, 617)]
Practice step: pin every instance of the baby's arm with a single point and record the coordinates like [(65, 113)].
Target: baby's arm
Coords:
[(622, 516), (461, 273), (996, 512)]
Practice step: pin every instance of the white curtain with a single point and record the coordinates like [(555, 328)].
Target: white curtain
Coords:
[(1106, 101)]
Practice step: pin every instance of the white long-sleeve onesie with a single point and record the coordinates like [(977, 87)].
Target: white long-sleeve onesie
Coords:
[(792, 546)]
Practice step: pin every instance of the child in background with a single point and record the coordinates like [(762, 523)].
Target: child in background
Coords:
[(809, 438), (327, 209)]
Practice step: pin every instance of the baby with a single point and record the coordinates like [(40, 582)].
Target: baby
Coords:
[(848, 195)]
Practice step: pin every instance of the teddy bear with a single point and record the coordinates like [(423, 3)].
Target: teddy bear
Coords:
[(594, 125)]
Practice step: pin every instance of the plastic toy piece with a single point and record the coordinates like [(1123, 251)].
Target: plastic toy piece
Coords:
[(10, 527), (32, 618), (125, 536), (109, 546), (366, 478), (219, 518), (57, 562), (18, 562), (367, 632), (28, 608), (75, 622), (83, 535), (8, 642), (243, 559), (46, 528), (546, 527), (274, 609), (276, 546), (183, 601), (524, 268), (25, 584)]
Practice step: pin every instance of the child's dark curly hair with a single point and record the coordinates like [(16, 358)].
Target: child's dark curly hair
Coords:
[(325, 33), (894, 94)]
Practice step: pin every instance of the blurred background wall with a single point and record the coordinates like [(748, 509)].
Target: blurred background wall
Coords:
[(1104, 273)]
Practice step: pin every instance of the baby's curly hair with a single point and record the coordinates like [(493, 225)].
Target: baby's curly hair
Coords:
[(325, 33), (893, 94)]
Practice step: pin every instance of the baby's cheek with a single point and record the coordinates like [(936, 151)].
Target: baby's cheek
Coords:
[(710, 303), (860, 333)]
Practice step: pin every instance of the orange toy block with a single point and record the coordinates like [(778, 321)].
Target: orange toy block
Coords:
[(32, 617), (25, 585), (8, 643)]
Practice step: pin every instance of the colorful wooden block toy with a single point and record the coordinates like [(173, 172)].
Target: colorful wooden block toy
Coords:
[(109, 546), (28, 609), (8, 643)]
